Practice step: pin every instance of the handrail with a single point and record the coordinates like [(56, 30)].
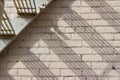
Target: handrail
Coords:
[(23, 7), (5, 46)]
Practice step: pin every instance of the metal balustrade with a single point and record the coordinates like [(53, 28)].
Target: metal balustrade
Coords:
[(6, 30), (25, 6)]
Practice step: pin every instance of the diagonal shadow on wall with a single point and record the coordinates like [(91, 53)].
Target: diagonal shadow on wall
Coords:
[(31, 63), (107, 12), (71, 59), (64, 57), (94, 39), (40, 69), (67, 57), (3, 71)]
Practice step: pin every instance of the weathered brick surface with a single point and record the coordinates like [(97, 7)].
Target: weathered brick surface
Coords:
[(70, 40)]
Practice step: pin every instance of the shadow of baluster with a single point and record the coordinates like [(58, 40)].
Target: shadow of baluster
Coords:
[(71, 59), (107, 13), (32, 63), (4, 72), (94, 39)]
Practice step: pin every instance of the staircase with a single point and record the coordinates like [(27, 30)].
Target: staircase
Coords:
[(17, 14)]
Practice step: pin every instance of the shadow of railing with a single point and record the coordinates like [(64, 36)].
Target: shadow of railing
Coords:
[(107, 13), (39, 70), (71, 59), (68, 56), (36, 67), (94, 39)]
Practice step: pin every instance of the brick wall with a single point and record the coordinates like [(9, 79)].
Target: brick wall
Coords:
[(18, 21), (70, 40)]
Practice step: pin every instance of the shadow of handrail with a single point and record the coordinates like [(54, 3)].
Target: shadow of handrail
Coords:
[(107, 13), (69, 57), (92, 37), (37, 69)]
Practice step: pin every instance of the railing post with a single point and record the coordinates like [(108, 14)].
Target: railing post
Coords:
[(1, 12)]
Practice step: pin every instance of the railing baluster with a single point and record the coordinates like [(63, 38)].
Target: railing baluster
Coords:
[(20, 7), (7, 30), (31, 6), (4, 29), (25, 6), (9, 23), (35, 6), (16, 5)]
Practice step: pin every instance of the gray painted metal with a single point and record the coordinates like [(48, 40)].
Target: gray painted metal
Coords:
[(21, 23), (7, 30), (25, 7)]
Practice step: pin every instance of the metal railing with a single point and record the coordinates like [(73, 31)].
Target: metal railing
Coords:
[(25, 6), (6, 30)]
